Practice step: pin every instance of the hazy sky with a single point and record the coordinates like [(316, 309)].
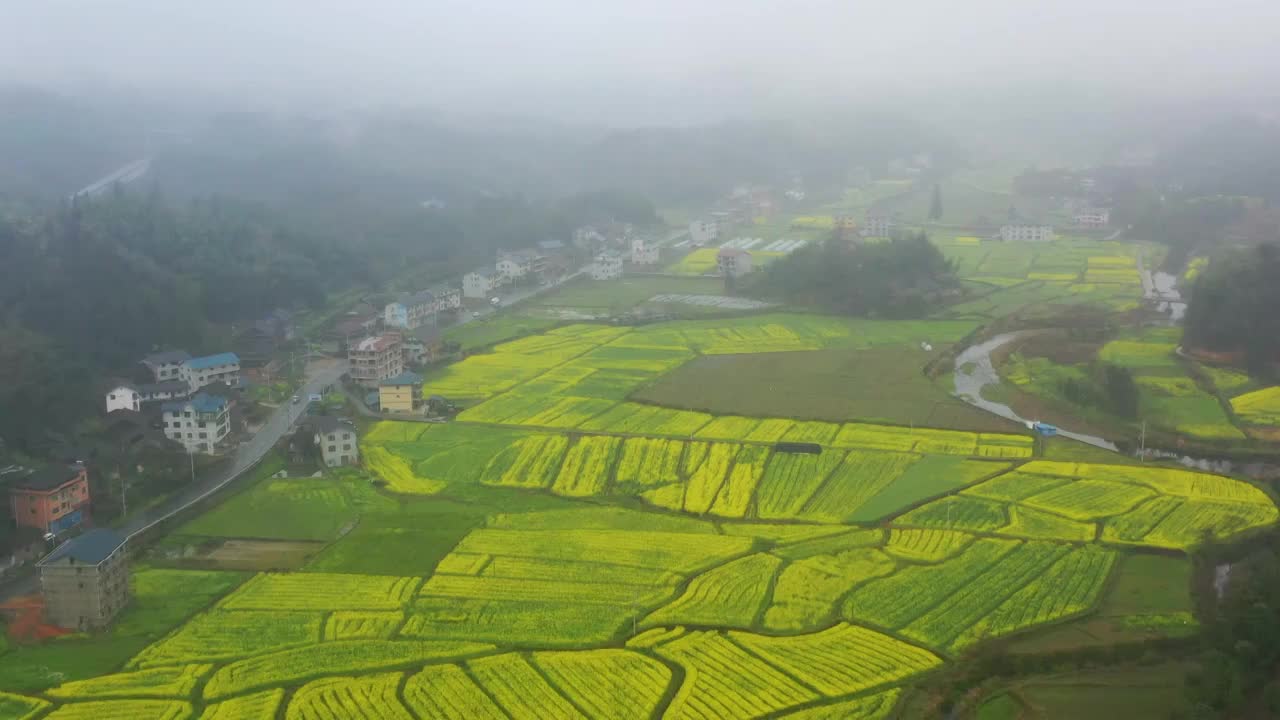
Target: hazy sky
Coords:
[(561, 56)]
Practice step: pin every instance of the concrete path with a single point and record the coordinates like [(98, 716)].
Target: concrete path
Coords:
[(981, 372)]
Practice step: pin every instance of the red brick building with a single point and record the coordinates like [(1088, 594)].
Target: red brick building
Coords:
[(51, 500)]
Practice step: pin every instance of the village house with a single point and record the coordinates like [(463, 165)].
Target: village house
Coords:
[(198, 424), (52, 500), (360, 321), (85, 581), (877, 225), (587, 238), (123, 397), (410, 311), (168, 365), (402, 393), (1092, 217), (704, 232), (607, 266), (375, 359), (422, 345), (1026, 233), (220, 368), (448, 299), (480, 283), (846, 222), (733, 262), (337, 440), (517, 264), (258, 344), (644, 252)]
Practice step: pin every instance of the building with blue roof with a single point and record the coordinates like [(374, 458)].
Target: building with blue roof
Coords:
[(85, 581), (210, 369), (198, 423)]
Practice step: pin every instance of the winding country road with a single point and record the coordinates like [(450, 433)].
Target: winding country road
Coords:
[(975, 371)]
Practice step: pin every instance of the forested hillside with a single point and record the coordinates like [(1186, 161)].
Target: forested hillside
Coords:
[(89, 288)]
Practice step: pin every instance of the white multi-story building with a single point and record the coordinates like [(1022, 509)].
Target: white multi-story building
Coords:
[(587, 238), (704, 232), (1026, 233), (220, 368), (607, 266), (337, 441), (877, 225), (644, 252), (167, 366), (199, 423), (410, 311), (479, 283), (448, 299), (124, 397), (1092, 217), (733, 262), (375, 359), (517, 264)]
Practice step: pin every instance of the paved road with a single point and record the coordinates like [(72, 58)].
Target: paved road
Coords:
[(125, 174), (974, 371), (245, 456)]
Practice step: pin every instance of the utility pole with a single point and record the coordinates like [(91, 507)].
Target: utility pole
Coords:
[(1142, 442)]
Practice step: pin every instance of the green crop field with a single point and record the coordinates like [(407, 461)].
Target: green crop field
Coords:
[(632, 522)]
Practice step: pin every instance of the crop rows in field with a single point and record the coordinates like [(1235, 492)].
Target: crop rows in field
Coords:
[(255, 706), (993, 587), (362, 625), (219, 635), (1261, 407), (289, 667), (322, 591), (164, 682), (739, 674), (122, 710), (807, 592), (1157, 507), (530, 462), (926, 545), (534, 584), (731, 595), (369, 697)]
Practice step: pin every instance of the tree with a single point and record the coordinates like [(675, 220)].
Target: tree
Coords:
[(1122, 391), (901, 278), (1233, 306), (935, 204)]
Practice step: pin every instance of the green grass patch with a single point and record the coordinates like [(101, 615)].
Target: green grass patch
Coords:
[(619, 296), (882, 384), (1000, 707), (1137, 693), (302, 509), (498, 328), (410, 542), (930, 476)]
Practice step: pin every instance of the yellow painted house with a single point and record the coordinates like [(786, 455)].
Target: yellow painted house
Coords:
[(402, 393)]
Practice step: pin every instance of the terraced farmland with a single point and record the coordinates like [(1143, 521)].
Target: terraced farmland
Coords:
[(581, 554)]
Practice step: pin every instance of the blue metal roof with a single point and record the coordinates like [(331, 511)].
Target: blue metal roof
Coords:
[(208, 361), (404, 378), (201, 403), (90, 548)]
